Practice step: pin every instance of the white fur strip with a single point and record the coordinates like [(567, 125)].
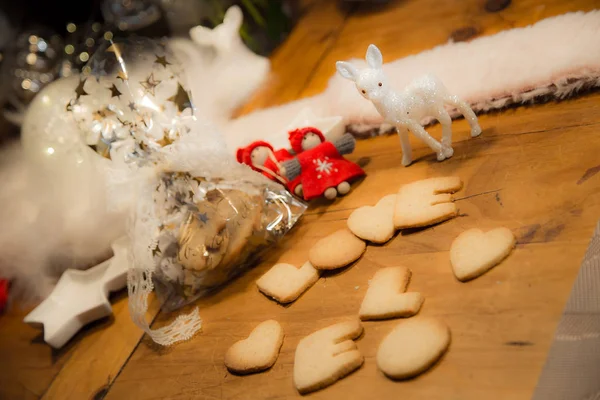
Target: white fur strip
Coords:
[(555, 57)]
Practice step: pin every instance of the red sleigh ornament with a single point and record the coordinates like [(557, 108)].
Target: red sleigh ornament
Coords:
[(315, 167), (319, 164)]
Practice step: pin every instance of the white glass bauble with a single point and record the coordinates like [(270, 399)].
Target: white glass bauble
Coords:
[(70, 177)]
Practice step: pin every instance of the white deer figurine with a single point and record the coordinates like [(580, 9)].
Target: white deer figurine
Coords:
[(425, 96)]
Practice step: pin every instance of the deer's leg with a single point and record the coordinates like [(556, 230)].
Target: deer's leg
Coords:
[(446, 123), (405, 143), (422, 134), (467, 112)]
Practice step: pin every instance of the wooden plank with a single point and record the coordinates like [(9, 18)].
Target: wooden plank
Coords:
[(100, 354), (27, 364), (556, 235), (85, 366), (502, 323)]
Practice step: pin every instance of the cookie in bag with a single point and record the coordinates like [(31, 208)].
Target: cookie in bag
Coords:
[(216, 235)]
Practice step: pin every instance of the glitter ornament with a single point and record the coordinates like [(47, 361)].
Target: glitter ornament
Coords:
[(130, 100), (85, 137), (424, 97)]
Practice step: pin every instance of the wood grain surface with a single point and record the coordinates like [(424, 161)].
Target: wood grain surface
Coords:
[(527, 177), (535, 170)]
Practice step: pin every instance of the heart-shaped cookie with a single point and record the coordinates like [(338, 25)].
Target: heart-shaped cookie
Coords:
[(474, 252), (375, 224), (257, 352), (285, 283)]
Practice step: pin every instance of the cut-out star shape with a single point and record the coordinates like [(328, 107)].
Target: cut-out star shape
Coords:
[(98, 69), (114, 48), (162, 61), (166, 139), (102, 113), (203, 217), (101, 148), (114, 92), (156, 251), (144, 118), (123, 122), (80, 297), (150, 84), (131, 106), (122, 75), (79, 90), (181, 98)]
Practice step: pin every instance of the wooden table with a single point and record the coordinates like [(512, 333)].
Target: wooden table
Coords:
[(534, 170)]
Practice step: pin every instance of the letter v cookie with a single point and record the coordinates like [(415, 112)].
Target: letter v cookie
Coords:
[(385, 297), (327, 355), (426, 202)]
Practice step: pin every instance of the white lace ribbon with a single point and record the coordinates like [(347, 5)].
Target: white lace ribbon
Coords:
[(139, 286)]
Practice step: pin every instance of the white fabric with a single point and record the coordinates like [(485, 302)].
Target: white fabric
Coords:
[(557, 56)]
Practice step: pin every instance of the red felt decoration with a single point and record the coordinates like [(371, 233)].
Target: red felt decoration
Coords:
[(282, 155), (3, 293), (324, 167), (295, 137), (244, 154), (269, 169)]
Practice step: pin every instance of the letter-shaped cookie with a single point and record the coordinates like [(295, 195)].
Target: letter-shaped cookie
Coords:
[(258, 351), (285, 283), (385, 297), (326, 356), (426, 202)]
